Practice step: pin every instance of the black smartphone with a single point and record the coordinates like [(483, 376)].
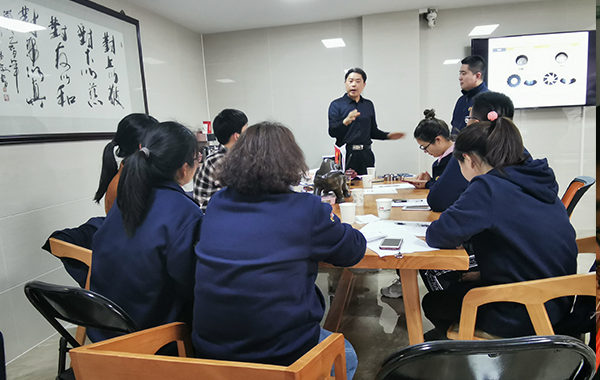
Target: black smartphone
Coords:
[(391, 244)]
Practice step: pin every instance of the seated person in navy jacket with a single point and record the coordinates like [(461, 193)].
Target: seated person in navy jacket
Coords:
[(445, 187), (514, 222), (433, 137), (259, 253), (143, 254)]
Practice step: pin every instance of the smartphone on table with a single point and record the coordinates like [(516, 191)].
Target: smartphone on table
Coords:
[(391, 244)]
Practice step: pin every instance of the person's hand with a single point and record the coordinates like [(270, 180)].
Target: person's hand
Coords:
[(395, 135), (351, 116), (420, 180)]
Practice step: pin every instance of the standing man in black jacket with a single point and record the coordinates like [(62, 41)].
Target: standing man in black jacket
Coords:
[(352, 122)]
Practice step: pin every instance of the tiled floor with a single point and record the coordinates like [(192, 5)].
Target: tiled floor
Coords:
[(374, 325)]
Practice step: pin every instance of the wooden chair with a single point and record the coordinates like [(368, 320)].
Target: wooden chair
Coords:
[(575, 191), (131, 357), (532, 294), (63, 249)]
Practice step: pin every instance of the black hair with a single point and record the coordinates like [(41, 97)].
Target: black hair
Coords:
[(498, 143), (357, 70), (165, 148), (265, 160), (127, 139), (476, 64), (228, 122), (484, 103), (430, 127)]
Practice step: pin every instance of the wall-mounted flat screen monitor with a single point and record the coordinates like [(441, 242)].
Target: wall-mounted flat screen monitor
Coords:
[(542, 70)]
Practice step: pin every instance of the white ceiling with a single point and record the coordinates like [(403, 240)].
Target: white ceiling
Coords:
[(213, 16)]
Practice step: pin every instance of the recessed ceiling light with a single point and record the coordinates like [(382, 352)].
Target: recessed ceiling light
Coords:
[(333, 43), (483, 30), (451, 61), (19, 26), (226, 80)]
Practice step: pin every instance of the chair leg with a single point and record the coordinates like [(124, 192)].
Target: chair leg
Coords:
[(62, 355)]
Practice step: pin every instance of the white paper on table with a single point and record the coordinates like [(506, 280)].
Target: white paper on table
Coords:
[(395, 186), (410, 242), (410, 203), (362, 219), (381, 190)]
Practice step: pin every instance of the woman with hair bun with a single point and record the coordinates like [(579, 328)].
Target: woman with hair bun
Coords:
[(445, 187), (513, 220), (127, 140), (144, 251)]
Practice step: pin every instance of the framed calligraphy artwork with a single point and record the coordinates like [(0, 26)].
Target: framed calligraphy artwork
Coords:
[(69, 71)]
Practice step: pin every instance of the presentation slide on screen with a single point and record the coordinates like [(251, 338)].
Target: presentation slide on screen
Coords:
[(541, 70)]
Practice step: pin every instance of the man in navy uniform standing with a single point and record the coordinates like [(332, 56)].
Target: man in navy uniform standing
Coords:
[(471, 74), (352, 122)]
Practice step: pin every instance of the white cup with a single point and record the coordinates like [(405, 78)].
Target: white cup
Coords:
[(384, 208), (358, 197), (367, 181), (371, 172), (348, 211)]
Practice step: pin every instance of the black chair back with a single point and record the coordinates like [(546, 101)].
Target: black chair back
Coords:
[(78, 306), (532, 358)]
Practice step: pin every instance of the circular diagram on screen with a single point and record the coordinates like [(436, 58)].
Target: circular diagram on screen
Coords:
[(561, 57), (513, 80), (522, 60), (550, 79), (530, 82)]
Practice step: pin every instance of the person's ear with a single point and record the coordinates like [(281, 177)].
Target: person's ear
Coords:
[(468, 161), (236, 136)]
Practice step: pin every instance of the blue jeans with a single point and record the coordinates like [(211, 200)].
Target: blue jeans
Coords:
[(351, 358)]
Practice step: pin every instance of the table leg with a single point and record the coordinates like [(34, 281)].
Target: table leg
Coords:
[(412, 305), (340, 300)]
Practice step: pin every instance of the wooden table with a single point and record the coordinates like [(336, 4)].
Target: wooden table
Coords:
[(456, 259)]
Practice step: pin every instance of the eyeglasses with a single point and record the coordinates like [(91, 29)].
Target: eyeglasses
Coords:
[(424, 148), (467, 118)]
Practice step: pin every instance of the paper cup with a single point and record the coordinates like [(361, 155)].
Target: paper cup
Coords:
[(371, 172), (358, 197), (348, 211), (367, 181), (384, 208)]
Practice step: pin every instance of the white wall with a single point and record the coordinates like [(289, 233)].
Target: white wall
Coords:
[(46, 187)]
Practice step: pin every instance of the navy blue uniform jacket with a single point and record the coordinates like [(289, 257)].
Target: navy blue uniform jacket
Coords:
[(447, 187), (151, 276), (519, 231), (258, 258), (361, 130), (463, 106)]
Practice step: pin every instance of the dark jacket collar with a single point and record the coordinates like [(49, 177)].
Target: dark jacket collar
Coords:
[(350, 100), (474, 91)]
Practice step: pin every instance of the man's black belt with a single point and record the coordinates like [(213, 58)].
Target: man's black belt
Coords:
[(359, 146)]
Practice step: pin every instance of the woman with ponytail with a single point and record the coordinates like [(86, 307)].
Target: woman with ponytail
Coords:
[(127, 140), (514, 222), (144, 251)]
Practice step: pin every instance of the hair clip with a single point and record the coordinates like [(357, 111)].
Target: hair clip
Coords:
[(146, 151), (492, 115)]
